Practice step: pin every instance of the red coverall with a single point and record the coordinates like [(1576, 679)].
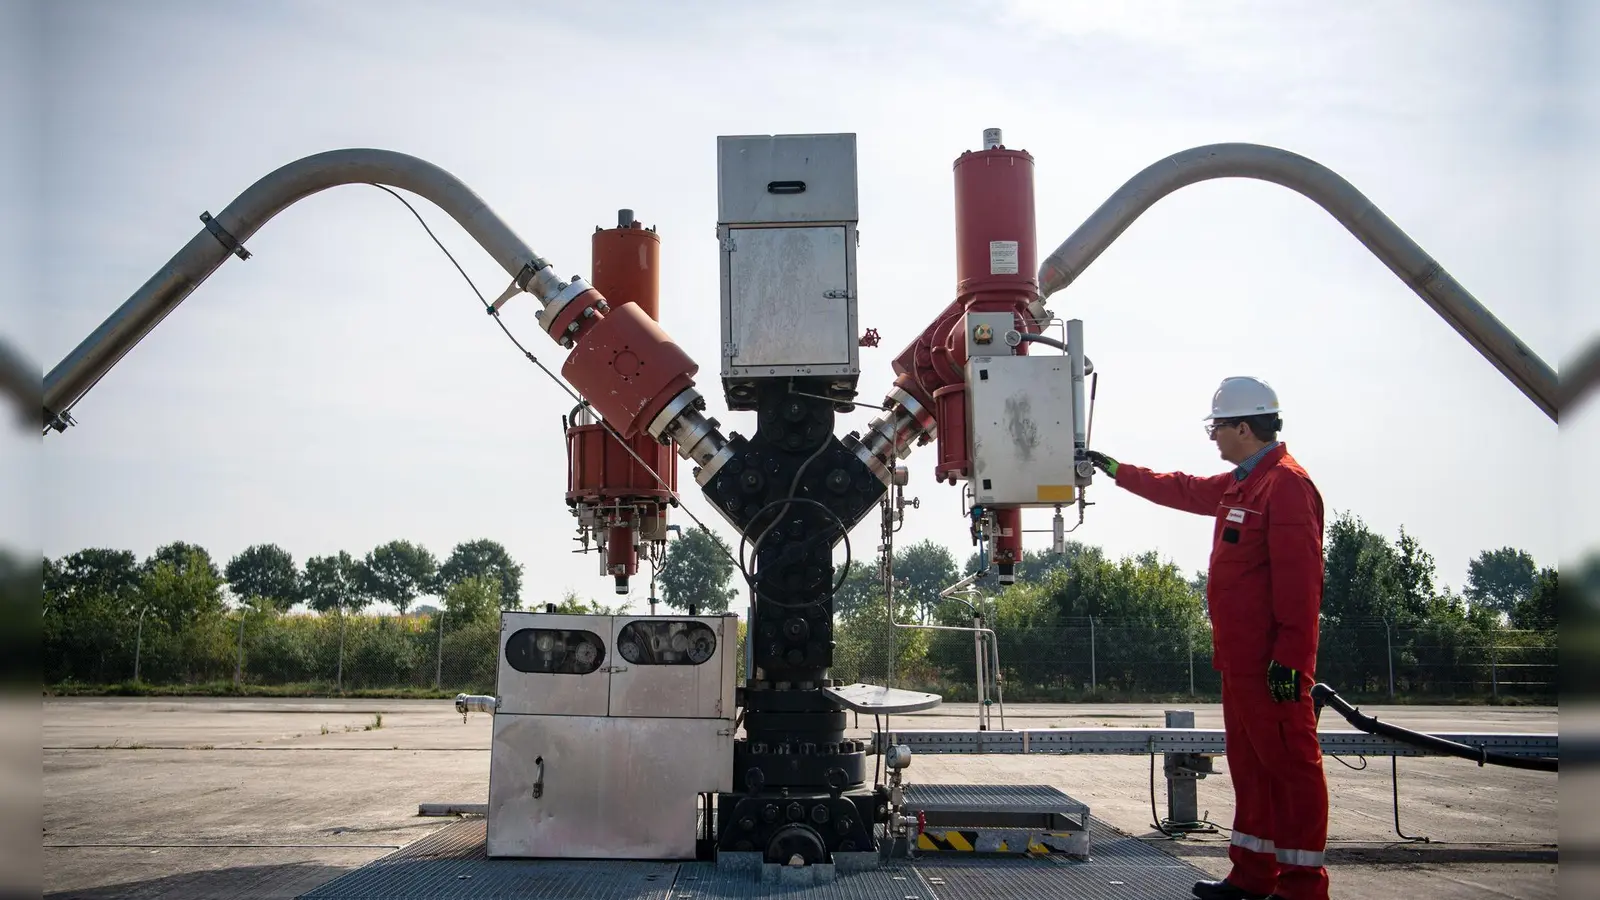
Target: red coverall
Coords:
[(1264, 592)]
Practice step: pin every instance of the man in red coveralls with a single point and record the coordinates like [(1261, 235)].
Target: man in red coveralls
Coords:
[(1264, 594)]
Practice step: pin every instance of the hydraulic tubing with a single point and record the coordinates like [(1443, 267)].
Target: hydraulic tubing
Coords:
[(226, 233), (1354, 211), (1325, 695), (1088, 364)]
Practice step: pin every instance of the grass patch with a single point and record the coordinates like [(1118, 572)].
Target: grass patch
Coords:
[(229, 689)]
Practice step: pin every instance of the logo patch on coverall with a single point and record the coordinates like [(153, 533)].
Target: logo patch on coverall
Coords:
[(1235, 515)]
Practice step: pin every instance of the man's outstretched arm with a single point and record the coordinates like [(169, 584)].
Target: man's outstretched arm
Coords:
[(1198, 495)]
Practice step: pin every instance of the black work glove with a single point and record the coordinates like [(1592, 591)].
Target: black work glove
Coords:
[(1283, 683), (1103, 462)]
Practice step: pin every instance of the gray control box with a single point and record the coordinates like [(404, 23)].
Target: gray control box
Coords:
[(786, 228), (1020, 412)]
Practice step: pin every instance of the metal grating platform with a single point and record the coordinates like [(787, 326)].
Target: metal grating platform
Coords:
[(999, 805), (704, 881), (451, 865)]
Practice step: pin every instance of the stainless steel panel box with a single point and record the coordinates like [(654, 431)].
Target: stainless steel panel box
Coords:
[(1020, 410), (607, 731), (773, 179)]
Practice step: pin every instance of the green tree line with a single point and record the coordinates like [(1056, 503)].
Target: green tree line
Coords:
[(1075, 623)]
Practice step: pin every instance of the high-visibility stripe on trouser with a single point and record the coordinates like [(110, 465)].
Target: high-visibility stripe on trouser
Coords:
[(1254, 844), (1281, 796), (1309, 859)]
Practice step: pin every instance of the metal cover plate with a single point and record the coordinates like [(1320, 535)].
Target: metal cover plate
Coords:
[(875, 698), (574, 787), (548, 693), (645, 681), (1014, 805), (789, 299)]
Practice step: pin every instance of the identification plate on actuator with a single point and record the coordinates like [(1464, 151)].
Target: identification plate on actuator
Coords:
[(1002, 257)]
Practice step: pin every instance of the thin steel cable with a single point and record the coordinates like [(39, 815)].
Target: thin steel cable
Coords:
[(553, 377)]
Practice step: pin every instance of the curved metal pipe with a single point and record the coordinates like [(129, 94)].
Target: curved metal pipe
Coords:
[(1354, 211), (226, 233)]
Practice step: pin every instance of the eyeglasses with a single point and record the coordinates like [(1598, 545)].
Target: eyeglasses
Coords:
[(1212, 427)]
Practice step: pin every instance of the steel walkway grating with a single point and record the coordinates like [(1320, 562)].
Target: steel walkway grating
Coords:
[(451, 864)]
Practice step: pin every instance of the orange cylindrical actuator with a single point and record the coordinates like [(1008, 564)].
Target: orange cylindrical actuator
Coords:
[(625, 267), (626, 264)]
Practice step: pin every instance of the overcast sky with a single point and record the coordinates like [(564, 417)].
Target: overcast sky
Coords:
[(343, 388)]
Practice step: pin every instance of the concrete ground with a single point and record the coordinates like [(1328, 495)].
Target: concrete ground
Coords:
[(181, 798)]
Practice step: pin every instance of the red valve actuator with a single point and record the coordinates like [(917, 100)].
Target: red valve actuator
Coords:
[(627, 367)]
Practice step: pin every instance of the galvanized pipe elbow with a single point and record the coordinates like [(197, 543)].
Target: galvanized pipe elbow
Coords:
[(1339, 198)]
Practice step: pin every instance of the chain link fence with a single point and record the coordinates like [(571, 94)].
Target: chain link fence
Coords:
[(1090, 659), (1110, 660)]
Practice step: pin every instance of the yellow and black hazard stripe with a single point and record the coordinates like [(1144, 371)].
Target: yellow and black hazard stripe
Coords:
[(980, 840)]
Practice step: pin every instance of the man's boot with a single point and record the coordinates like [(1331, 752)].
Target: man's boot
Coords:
[(1222, 890)]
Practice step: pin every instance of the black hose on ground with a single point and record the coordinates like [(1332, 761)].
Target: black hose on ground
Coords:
[(1327, 696)]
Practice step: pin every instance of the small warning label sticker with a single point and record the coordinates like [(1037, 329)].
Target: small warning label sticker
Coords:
[(1002, 257)]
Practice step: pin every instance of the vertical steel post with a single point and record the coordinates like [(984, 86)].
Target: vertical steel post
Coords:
[(1494, 673), (338, 672), (1191, 662), (438, 664), (138, 644), (1388, 642), (238, 666), (1094, 681), (1183, 788), (978, 669)]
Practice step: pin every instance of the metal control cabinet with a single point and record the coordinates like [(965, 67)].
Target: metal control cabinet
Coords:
[(607, 731), (1021, 414), (786, 225)]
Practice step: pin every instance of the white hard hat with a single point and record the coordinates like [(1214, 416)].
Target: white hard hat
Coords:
[(1241, 396)]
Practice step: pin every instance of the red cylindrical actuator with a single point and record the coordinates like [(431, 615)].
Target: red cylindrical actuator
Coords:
[(622, 558), (626, 264), (996, 246), (950, 411), (600, 469)]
